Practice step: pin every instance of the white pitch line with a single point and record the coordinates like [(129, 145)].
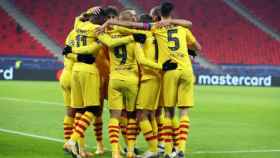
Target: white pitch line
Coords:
[(194, 152), (31, 135), (237, 151), (36, 101), (31, 101)]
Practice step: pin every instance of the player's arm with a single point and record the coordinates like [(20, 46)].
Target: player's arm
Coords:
[(84, 58), (141, 59), (69, 43), (129, 24), (126, 30), (92, 48), (70, 38), (114, 42), (179, 22), (72, 57), (193, 45)]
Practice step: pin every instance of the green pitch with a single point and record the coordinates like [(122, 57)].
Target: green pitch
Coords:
[(227, 122)]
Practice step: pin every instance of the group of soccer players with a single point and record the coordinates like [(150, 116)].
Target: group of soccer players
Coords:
[(142, 66)]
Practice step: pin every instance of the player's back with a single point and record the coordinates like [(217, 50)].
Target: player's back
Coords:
[(151, 52), (172, 43), (84, 35), (150, 49), (123, 64)]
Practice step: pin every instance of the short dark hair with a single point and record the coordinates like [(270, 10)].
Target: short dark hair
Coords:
[(146, 18), (166, 8), (111, 11)]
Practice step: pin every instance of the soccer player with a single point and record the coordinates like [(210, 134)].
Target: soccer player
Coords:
[(65, 83), (123, 86), (149, 90), (86, 80), (173, 41), (166, 22), (65, 80)]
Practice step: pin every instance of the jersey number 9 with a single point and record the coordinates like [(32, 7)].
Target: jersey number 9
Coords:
[(171, 38), (120, 52)]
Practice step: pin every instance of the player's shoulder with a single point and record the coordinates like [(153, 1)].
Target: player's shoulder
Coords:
[(84, 24)]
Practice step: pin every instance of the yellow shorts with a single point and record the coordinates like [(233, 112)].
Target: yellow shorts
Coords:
[(148, 95), (122, 94), (65, 84), (85, 89), (178, 88)]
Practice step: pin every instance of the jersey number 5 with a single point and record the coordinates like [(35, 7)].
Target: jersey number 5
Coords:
[(81, 40), (120, 52), (171, 38)]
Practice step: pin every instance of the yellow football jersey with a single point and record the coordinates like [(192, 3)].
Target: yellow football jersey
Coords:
[(124, 60), (84, 37), (150, 48), (68, 63), (172, 44)]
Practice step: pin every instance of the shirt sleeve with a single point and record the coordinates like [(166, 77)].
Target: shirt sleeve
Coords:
[(190, 37), (128, 30), (93, 48), (114, 42), (139, 53), (70, 38)]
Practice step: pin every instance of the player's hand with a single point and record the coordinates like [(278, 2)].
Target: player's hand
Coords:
[(94, 10), (86, 58), (138, 37), (66, 50), (192, 53), (168, 65), (99, 30)]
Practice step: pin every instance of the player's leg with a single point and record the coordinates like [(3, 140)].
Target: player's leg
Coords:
[(132, 127), (170, 86), (76, 103), (91, 98), (147, 102), (176, 129), (98, 123), (123, 125), (185, 101), (160, 121), (68, 122), (90, 90), (116, 106)]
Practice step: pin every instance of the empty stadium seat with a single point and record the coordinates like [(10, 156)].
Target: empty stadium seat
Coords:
[(267, 11), (17, 42), (227, 38), (56, 18)]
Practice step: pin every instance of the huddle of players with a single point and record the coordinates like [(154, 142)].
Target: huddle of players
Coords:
[(143, 65)]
